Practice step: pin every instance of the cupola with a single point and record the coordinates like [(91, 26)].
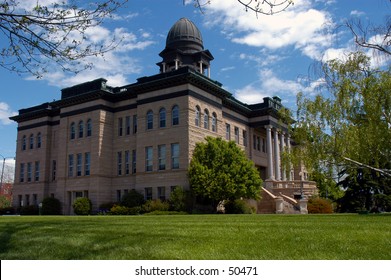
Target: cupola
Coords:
[(184, 47)]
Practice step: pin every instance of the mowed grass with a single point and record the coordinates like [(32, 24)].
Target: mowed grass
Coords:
[(201, 237)]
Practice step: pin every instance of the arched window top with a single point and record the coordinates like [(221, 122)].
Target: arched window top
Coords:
[(81, 129), (175, 115), (150, 119), (197, 116), (162, 117), (206, 119), (72, 131), (89, 127), (214, 122)]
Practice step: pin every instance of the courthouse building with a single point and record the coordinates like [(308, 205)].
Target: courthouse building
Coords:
[(100, 142)]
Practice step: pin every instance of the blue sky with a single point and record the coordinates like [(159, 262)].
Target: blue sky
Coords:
[(254, 56)]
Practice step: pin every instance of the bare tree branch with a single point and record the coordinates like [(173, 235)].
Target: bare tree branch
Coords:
[(55, 33), (265, 7)]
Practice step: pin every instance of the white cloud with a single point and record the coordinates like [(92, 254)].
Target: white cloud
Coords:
[(114, 65), (270, 84), (357, 13), (5, 113), (250, 94), (300, 26)]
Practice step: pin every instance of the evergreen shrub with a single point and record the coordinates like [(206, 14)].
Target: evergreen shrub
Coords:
[(155, 205), (132, 199), (238, 206), (51, 206), (82, 206)]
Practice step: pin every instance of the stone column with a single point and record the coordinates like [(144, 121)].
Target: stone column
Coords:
[(282, 140), (288, 143), (209, 71), (201, 67), (164, 67), (270, 173), (176, 64), (277, 156)]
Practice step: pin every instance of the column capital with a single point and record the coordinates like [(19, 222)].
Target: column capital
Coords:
[(269, 126)]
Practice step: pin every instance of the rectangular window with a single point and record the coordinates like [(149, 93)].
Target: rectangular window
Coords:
[(35, 199), (134, 124), (127, 162), (70, 165), (148, 193), (127, 125), (29, 172), (79, 163), (118, 195), (175, 156), (36, 171), (245, 138), (148, 158), (120, 126), (119, 163), (161, 193), (162, 157), (27, 199), (87, 164), (264, 145), (54, 170), (254, 142), (134, 161), (237, 135), (21, 173), (258, 143), (227, 132)]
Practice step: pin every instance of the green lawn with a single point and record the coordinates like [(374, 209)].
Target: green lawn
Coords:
[(201, 237)]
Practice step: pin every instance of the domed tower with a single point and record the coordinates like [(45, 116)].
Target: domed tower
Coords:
[(184, 47)]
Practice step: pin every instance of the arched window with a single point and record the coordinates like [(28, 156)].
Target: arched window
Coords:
[(73, 131), (206, 119), (214, 122), (89, 127), (197, 116), (81, 129), (150, 119), (31, 141), (175, 115), (162, 117), (24, 143), (39, 140)]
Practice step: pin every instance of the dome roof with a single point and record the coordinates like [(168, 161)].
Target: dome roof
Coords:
[(184, 35)]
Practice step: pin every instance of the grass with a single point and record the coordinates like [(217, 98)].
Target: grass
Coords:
[(217, 237)]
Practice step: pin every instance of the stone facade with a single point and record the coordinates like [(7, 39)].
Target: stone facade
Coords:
[(101, 142)]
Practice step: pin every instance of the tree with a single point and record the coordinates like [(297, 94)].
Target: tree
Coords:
[(37, 34), (6, 195), (347, 126), (219, 170), (265, 7)]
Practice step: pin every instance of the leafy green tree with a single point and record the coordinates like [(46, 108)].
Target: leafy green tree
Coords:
[(220, 170), (347, 124)]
